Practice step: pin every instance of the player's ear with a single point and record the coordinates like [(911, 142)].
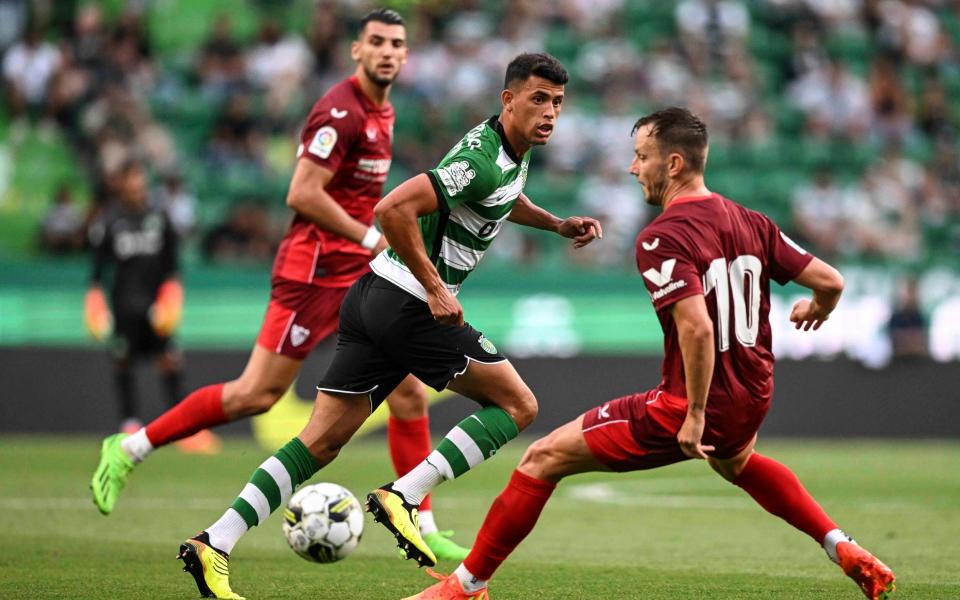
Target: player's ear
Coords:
[(506, 97), (675, 164), (355, 49)]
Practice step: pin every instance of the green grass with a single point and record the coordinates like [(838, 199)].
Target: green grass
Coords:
[(679, 532)]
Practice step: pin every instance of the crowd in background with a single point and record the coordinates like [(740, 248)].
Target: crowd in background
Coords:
[(773, 79)]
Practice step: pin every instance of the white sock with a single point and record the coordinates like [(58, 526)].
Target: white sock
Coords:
[(419, 482), (470, 583), (137, 445), (830, 541), (227, 531), (427, 524)]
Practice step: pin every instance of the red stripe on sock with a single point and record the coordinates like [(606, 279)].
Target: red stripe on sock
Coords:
[(198, 411), (511, 518), (778, 490), (409, 443)]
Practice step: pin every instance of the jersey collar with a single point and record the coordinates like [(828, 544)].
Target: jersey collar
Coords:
[(497, 126), (686, 199)]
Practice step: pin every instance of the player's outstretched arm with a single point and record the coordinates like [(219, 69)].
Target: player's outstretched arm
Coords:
[(308, 196), (582, 230), (695, 333), (827, 285), (398, 213)]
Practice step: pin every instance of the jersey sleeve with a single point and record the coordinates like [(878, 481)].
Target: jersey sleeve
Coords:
[(329, 134), (668, 271), (464, 175), (787, 258)]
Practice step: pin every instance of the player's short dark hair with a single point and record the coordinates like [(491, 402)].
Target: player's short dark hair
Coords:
[(380, 15), (540, 64), (678, 130)]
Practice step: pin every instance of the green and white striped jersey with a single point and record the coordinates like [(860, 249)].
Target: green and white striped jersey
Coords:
[(477, 184)]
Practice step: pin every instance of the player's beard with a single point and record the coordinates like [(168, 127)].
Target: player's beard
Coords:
[(377, 80), (654, 190)]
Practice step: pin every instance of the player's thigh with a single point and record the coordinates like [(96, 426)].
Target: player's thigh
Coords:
[(497, 384), (408, 400), (334, 420), (562, 453), (730, 468), (298, 317)]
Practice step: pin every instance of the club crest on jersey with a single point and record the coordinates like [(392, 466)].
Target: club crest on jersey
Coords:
[(323, 142), (487, 345), (456, 176), (298, 335), (371, 133)]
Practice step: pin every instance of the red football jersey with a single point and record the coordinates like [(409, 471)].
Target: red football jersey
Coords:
[(348, 134), (713, 246)]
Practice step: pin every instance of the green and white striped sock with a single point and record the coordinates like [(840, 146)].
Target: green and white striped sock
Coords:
[(472, 441), (270, 487)]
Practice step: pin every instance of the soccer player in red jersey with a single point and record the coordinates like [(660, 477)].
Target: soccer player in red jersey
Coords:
[(343, 161), (707, 263)]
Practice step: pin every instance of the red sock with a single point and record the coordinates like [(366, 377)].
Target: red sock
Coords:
[(409, 443), (778, 490), (508, 522), (198, 411)]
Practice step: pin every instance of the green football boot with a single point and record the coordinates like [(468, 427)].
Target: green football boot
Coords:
[(445, 548), (111, 473)]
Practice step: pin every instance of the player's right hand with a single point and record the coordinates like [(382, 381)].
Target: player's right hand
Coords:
[(690, 434), (96, 314), (445, 307), (807, 314)]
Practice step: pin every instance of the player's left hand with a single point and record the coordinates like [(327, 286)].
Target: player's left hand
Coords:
[(582, 230), (808, 314), (167, 309), (690, 434)]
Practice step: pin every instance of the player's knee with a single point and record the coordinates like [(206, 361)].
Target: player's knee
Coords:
[(523, 408), (543, 460)]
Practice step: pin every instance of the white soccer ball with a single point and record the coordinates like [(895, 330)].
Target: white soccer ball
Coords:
[(323, 522)]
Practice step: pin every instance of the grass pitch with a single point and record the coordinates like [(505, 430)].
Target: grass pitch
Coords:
[(678, 532)]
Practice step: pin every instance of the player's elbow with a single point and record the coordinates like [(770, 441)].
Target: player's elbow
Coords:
[(295, 200), (699, 332)]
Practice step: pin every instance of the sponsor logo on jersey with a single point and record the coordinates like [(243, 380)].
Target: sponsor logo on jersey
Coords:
[(323, 142), (298, 335), (487, 345), (377, 166), (337, 114), (456, 176), (604, 411), (649, 247), (674, 286), (664, 275)]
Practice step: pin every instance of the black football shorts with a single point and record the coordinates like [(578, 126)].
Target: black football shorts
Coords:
[(386, 333)]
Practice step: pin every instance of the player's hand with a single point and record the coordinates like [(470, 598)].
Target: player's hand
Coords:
[(445, 307), (166, 311), (808, 314), (582, 230), (690, 434), (96, 314), (382, 245)]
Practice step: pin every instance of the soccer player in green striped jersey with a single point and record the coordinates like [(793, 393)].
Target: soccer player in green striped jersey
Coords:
[(404, 317)]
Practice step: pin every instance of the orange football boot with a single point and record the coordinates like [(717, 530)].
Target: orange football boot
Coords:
[(448, 588), (874, 578)]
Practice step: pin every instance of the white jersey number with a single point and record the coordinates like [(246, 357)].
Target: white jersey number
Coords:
[(743, 276)]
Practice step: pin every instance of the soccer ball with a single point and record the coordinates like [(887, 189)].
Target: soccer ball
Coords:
[(323, 522)]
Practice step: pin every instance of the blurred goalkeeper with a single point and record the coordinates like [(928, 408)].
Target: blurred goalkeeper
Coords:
[(139, 242)]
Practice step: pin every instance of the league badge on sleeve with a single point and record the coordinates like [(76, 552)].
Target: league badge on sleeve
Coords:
[(323, 142)]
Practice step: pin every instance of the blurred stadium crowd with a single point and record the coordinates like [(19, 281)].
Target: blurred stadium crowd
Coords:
[(839, 118)]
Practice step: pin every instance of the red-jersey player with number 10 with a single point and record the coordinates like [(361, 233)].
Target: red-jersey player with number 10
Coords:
[(707, 263), (342, 164)]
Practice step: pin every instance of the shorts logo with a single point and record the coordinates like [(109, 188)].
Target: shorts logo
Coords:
[(323, 142), (487, 345), (298, 335), (604, 411)]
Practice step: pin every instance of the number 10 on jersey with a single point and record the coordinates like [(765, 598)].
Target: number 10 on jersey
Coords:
[(743, 276)]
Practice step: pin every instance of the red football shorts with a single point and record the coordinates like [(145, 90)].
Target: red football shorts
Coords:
[(299, 317), (639, 432)]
